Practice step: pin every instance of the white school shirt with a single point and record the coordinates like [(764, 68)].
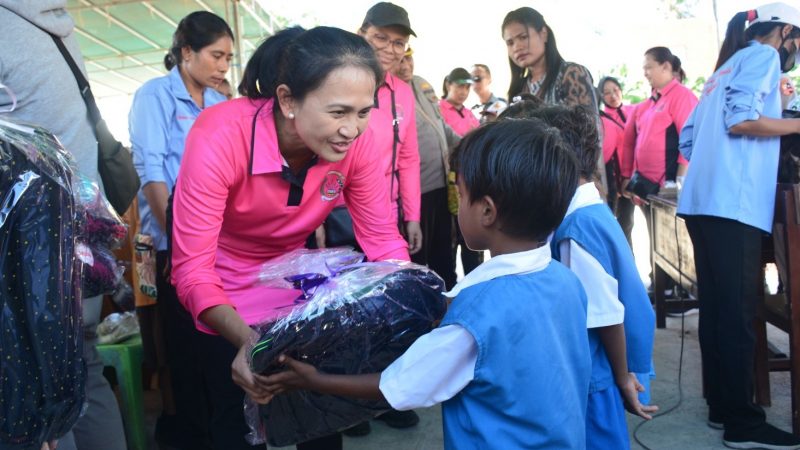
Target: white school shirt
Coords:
[(602, 293), (441, 363)]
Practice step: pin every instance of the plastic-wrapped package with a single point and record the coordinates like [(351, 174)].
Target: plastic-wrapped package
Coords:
[(42, 376), (101, 273), (117, 327), (100, 223), (351, 319)]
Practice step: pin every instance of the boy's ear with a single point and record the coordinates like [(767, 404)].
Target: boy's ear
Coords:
[(488, 212)]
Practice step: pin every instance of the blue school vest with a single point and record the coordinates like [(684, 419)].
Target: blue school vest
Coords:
[(532, 372), (597, 231)]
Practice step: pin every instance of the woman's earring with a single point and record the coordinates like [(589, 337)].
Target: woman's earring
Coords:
[(290, 116), (525, 73)]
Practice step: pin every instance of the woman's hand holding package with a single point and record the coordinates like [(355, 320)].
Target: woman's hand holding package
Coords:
[(253, 384)]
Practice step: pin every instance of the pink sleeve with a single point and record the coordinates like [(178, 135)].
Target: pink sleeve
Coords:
[(374, 223), (680, 113), (408, 164), (207, 172), (628, 146)]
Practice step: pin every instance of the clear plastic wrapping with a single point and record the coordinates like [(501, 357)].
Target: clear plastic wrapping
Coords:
[(101, 226), (101, 273), (117, 327), (42, 375), (351, 318)]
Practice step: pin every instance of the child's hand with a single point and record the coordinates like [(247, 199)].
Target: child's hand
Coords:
[(630, 389), (298, 375)]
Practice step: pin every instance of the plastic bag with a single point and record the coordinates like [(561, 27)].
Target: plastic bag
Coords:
[(101, 273), (359, 318), (117, 327), (42, 375), (100, 224), (146, 264)]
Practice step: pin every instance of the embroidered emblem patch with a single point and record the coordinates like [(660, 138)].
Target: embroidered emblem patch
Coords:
[(332, 186)]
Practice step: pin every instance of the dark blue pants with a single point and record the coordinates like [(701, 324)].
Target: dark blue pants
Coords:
[(727, 258)]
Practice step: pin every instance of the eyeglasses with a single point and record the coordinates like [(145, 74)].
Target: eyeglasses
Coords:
[(381, 41), (477, 79)]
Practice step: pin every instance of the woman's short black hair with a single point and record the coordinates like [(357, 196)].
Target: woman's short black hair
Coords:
[(576, 124), (302, 59), (525, 167), (196, 31)]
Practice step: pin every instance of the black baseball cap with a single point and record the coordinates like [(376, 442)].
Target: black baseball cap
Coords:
[(385, 14), (459, 75)]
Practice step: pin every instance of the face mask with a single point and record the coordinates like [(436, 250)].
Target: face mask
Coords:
[(787, 59)]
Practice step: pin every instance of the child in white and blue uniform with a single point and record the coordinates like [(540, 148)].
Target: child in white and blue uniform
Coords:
[(620, 319), (510, 361)]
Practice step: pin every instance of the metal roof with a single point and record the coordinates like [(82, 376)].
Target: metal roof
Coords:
[(124, 41)]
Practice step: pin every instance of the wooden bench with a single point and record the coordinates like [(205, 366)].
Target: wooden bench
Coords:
[(783, 310)]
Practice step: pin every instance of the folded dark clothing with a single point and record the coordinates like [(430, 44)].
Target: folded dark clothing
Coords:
[(376, 323)]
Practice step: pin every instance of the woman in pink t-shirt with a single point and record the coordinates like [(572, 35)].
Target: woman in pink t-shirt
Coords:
[(456, 89), (614, 115), (261, 173)]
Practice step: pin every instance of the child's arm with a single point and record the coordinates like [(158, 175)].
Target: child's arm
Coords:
[(613, 339), (436, 367), (299, 375)]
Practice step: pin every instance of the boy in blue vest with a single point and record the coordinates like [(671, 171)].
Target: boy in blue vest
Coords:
[(510, 361), (620, 318)]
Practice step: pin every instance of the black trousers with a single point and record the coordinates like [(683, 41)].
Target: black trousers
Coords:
[(189, 391), (649, 220), (208, 358), (623, 209), (727, 258), (437, 236)]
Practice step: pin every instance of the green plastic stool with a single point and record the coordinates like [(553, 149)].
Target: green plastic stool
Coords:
[(126, 358)]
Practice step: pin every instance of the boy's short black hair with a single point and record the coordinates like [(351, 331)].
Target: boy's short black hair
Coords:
[(577, 125), (527, 170)]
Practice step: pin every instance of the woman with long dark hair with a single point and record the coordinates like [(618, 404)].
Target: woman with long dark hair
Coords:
[(732, 140), (260, 174), (538, 68)]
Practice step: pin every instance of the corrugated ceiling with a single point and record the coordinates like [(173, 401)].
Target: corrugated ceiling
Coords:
[(124, 42)]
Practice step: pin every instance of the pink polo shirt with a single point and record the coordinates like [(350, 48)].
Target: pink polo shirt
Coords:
[(653, 128), (614, 130), (461, 121), (380, 122), (234, 210)]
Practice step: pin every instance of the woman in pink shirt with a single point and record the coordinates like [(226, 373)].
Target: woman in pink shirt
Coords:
[(614, 115), (650, 142), (456, 90), (260, 173)]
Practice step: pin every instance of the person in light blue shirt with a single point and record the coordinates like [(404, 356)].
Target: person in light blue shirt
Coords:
[(163, 111), (732, 142)]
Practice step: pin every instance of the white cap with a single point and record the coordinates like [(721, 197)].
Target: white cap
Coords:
[(777, 12)]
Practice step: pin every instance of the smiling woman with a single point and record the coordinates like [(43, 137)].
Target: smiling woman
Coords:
[(259, 175)]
